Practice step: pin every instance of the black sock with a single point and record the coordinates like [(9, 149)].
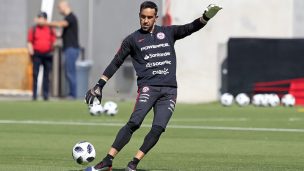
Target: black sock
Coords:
[(135, 161)]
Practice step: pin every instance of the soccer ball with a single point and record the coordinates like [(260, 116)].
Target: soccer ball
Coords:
[(226, 99), (261, 100), (110, 108), (273, 100), (83, 152), (242, 99), (264, 100), (257, 99), (288, 100), (96, 108)]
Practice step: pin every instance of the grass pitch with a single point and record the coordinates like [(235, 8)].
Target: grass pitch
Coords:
[(202, 137)]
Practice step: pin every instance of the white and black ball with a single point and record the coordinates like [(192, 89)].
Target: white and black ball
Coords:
[(83, 152)]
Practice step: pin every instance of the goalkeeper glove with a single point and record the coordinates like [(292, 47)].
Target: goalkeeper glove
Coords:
[(96, 91), (210, 12)]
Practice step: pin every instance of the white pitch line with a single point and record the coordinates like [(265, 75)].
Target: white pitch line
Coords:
[(31, 122), (210, 120), (295, 119)]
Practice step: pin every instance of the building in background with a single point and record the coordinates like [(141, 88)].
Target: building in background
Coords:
[(104, 24)]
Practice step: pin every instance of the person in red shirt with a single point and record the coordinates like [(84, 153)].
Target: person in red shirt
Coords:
[(40, 46)]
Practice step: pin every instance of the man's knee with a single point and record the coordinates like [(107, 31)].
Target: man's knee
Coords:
[(133, 126), (157, 130)]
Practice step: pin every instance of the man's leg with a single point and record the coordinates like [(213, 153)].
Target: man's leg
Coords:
[(47, 67), (122, 138), (144, 102), (163, 110), (146, 99), (36, 65), (71, 55)]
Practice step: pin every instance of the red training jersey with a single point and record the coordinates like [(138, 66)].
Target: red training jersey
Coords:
[(43, 38)]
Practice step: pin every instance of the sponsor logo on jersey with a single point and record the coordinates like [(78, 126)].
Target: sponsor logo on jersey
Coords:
[(157, 55), (162, 45), (160, 35), (155, 64), (140, 40), (164, 71)]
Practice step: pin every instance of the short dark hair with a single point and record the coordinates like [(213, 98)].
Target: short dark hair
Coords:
[(149, 4), (42, 14)]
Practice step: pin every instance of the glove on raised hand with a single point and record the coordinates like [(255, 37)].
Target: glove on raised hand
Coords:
[(211, 11)]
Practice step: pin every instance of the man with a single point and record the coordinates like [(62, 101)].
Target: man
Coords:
[(40, 46), (70, 44), (153, 56)]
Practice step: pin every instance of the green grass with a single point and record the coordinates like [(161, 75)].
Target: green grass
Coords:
[(46, 147)]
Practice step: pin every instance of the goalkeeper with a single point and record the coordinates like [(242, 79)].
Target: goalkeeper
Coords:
[(153, 56)]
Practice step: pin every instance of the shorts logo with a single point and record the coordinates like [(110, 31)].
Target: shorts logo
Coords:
[(160, 35), (172, 105), (144, 98), (145, 89)]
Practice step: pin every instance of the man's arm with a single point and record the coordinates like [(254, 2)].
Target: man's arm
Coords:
[(30, 48), (182, 31), (61, 24), (118, 60), (53, 36), (30, 42)]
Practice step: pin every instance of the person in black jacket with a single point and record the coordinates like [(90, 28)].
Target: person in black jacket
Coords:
[(153, 56), (70, 43)]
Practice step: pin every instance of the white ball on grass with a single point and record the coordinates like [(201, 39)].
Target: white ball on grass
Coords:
[(288, 100), (257, 99), (110, 108), (83, 152), (242, 99), (95, 109), (226, 99), (273, 100)]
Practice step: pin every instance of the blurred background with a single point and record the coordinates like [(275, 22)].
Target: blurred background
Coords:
[(250, 47)]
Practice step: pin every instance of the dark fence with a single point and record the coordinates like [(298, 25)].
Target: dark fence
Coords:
[(261, 60)]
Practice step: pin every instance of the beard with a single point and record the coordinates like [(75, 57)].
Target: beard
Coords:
[(147, 28)]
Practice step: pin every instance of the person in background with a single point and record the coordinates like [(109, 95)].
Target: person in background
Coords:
[(70, 44), (40, 40)]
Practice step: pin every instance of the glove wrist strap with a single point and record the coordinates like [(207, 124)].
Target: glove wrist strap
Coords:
[(101, 83), (205, 17)]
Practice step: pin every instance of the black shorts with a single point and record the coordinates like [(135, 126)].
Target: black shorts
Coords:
[(162, 99)]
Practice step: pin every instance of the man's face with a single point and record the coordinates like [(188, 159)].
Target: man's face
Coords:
[(61, 8), (147, 18), (40, 20)]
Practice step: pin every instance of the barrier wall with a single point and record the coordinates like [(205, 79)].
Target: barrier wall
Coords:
[(262, 60), (15, 71)]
